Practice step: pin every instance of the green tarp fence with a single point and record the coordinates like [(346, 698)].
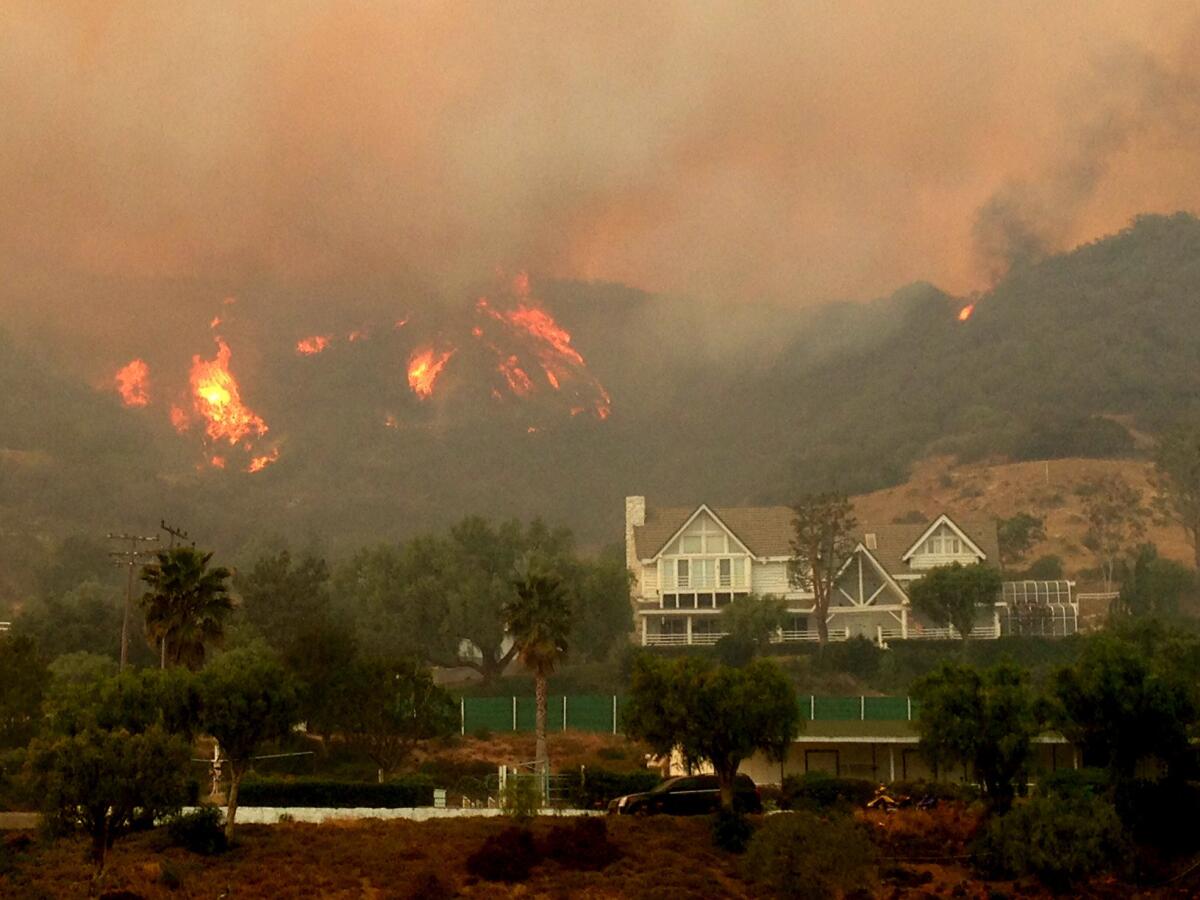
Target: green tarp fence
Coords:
[(602, 712), (579, 712)]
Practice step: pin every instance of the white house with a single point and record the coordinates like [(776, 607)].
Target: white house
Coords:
[(689, 563)]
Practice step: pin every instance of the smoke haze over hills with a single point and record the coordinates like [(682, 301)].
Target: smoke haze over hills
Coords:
[(308, 155)]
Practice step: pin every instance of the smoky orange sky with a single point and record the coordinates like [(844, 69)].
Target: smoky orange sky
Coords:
[(791, 152)]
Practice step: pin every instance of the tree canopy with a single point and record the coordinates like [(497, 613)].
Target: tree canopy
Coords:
[(712, 714), (985, 720), (822, 540), (954, 594)]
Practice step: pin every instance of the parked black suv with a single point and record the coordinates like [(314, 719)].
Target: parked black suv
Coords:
[(688, 795)]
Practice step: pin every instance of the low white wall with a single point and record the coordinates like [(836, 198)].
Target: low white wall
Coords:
[(270, 815)]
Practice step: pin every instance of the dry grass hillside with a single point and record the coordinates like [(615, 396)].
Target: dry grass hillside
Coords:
[(1046, 489)]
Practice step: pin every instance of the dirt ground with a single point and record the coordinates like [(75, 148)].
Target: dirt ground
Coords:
[(661, 857), (1046, 489)]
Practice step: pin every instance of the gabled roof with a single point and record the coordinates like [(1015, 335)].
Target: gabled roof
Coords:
[(892, 542), (763, 530), (702, 508), (861, 549), (944, 519), (767, 531)]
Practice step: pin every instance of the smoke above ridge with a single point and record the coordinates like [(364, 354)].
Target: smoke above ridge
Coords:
[(158, 157)]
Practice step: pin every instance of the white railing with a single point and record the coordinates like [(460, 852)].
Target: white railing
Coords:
[(4, 626), (708, 638), (981, 632)]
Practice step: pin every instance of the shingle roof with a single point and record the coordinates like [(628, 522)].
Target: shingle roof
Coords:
[(767, 531)]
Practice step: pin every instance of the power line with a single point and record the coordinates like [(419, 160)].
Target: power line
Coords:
[(129, 558), (175, 533)]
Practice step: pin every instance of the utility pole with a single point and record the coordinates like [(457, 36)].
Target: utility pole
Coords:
[(129, 558), (175, 533)]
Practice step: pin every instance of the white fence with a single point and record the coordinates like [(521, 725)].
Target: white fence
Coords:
[(708, 638)]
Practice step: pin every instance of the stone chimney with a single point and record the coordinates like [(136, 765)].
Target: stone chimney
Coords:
[(635, 517)]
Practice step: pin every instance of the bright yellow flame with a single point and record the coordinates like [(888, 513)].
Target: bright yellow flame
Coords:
[(965, 312)]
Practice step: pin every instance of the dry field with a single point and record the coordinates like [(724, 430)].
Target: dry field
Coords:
[(1046, 489), (660, 857)]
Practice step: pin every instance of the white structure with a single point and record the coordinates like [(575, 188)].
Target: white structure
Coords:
[(690, 563)]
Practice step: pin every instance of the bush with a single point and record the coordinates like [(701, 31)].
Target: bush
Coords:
[(1060, 840), (200, 831), (858, 657), (1073, 783), (597, 786), (583, 844), (1160, 814), (803, 855), (406, 792), (508, 856), (731, 830), (818, 791), (522, 798), (948, 791)]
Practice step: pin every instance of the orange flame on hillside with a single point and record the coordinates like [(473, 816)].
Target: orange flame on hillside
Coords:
[(218, 400), (965, 312), (424, 367), (133, 383), (258, 463), (548, 341), (312, 345)]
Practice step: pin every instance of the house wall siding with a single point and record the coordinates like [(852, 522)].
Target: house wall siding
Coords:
[(769, 578)]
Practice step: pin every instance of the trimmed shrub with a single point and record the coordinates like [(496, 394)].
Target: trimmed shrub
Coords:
[(401, 793), (200, 831), (803, 855), (818, 791), (731, 831), (1060, 840), (582, 845), (597, 786), (521, 799), (507, 856), (1073, 783)]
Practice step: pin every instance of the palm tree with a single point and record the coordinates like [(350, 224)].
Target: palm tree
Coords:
[(185, 605), (538, 617)]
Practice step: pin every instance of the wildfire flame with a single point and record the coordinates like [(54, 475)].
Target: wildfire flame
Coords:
[(311, 345), (133, 383), (547, 341), (258, 463), (424, 367), (218, 400), (965, 312)]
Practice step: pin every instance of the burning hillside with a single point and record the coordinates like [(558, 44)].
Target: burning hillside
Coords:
[(506, 348)]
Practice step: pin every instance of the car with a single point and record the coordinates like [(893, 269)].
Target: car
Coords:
[(688, 795)]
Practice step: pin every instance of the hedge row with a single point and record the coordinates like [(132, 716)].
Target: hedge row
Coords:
[(402, 793)]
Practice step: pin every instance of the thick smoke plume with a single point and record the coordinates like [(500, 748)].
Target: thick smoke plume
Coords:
[(313, 155)]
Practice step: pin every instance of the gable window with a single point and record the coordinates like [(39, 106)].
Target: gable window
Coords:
[(682, 573), (943, 542)]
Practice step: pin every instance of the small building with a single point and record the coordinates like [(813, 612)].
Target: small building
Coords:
[(689, 563)]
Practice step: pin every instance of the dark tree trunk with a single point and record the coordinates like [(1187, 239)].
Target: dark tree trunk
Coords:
[(541, 760)]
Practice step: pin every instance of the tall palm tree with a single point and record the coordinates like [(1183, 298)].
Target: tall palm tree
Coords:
[(186, 604), (538, 617)]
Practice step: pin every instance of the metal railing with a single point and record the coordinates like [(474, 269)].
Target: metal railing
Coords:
[(708, 638)]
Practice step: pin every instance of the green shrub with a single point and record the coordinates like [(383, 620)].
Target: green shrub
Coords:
[(948, 791), (521, 798), (731, 830), (803, 855), (199, 831), (583, 844), (858, 657), (1060, 840), (507, 856), (1161, 814), (597, 786), (406, 792), (817, 791), (1073, 783)]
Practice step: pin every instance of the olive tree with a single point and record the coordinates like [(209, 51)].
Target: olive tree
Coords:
[(247, 699), (712, 714), (105, 782), (953, 594), (985, 720)]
